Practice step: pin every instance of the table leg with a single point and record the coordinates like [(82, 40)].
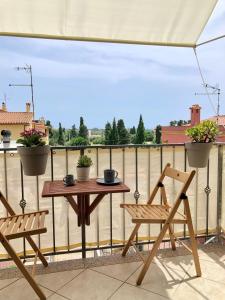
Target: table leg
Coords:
[(87, 204), (81, 222), (79, 204)]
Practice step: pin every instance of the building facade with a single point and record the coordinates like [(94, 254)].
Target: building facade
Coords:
[(17, 122)]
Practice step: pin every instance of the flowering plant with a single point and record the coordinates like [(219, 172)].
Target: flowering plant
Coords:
[(31, 138)]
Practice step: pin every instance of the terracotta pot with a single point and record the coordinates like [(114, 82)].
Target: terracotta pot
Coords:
[(83, 173), (198, 154), (34, 159)]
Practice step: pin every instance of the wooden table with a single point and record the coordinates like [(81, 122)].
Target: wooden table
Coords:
[(81, 205)]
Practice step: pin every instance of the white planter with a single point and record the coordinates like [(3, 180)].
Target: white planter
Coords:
[(83, 173), (198, 154)]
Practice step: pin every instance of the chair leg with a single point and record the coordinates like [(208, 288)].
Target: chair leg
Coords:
[(36, 249), (152, 254), (192, 238), (131, 238), (172, 240), (22, 268)]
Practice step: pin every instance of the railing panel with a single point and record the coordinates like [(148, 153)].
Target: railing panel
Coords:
[(138, 166)]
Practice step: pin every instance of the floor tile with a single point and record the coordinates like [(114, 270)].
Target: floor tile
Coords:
[(129, 292), (210, 256), (56, 297), (90, 285), (5, 282), (200, 289), (119, 271), (159, 279), (55, 281), (21, 290), (179, 262), (210, 270)]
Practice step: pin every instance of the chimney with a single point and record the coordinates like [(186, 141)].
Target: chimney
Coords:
[(27, 107), (195, 114), (4, 106)]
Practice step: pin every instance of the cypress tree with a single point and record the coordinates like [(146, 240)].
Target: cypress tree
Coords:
[(114, 138), (158, 134), (133, 130), (108, 129), (140, 135), (48, 123), (123, 134), (60, 135), (73, 132), (83, 131)]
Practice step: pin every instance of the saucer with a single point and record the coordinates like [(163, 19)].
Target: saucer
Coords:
[(102, 181)]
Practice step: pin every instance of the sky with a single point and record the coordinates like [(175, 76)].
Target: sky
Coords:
[(100, 81)]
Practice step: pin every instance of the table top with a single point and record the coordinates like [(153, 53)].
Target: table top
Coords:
[(57, 188)]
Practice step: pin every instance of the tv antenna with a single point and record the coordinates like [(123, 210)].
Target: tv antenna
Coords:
[(27, 69), (215, 91)]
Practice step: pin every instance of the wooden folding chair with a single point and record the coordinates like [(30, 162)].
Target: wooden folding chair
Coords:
[(166, 215), (23, 225)]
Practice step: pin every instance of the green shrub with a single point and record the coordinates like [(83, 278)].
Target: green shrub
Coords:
[(84, 161), (79, 141), (204, 132)]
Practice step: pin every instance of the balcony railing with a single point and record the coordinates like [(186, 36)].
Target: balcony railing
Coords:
[(139, 167)]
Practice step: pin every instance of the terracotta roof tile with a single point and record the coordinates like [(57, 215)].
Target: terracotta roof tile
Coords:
[(16, 117)]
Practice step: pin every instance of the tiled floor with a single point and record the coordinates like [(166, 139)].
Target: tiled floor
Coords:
[(167, 278)]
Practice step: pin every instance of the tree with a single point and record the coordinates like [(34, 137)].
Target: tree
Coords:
[(149, 135), (158, 134), (83, 131), (98, 141), (48, 123), (133, 130), (114, 137), (140, 135), (180, 122), (108, 129), (123, 134), (60, 135), (73, 132), (78, 141), (173, 123)]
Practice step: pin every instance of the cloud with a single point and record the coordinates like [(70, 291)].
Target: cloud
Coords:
[(111, 62)]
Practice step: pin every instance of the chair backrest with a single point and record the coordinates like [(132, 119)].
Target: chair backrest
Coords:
[(184, 177)]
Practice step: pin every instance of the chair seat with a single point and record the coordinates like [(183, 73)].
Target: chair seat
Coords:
[(146, 213), (22, 225)]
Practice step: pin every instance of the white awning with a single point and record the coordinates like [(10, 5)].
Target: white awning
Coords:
[(150, 22)]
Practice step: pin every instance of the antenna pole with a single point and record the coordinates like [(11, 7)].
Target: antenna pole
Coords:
[(28, 69), (216, 90)]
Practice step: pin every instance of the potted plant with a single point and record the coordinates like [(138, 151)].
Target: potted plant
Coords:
[(83, 168), (202, 137), (5, 136), (33, 153)]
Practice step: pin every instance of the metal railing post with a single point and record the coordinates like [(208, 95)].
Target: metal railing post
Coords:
[(219, 191)]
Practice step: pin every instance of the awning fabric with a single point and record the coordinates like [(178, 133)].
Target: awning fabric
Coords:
[(154, 22)]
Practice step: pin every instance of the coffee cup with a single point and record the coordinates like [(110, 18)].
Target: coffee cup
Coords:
[(110, 175), (68, 180)]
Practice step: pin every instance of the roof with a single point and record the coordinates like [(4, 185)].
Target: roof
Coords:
[(221, 119), (15, 117), (149, 22)]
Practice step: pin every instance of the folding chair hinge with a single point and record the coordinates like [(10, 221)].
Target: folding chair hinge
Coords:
[(160, 184), (183, 196)]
